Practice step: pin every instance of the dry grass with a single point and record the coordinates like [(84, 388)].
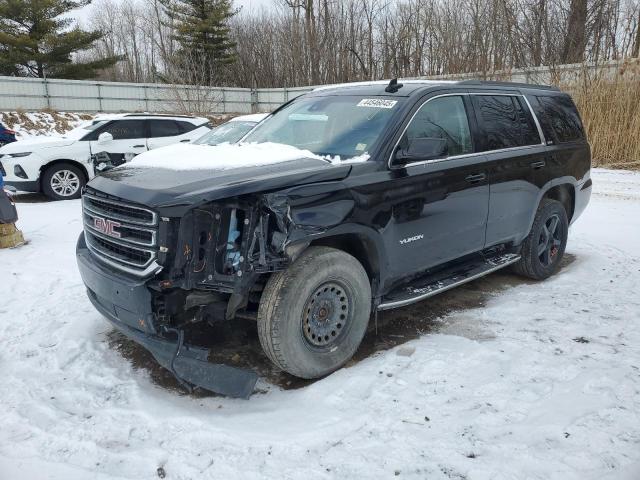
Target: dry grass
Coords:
[(609, 104), (42, 122)]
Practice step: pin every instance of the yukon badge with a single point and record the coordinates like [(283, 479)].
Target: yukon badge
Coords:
[(404, 241)]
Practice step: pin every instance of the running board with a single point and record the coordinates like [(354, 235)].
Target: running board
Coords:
[(447, 279)]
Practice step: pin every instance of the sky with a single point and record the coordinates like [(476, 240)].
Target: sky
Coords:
[(82, 14)]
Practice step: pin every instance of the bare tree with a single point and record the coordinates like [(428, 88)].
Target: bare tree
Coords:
[(308, 42)]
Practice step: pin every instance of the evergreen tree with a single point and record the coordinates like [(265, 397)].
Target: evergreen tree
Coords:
[(35, 42), (202, 30)]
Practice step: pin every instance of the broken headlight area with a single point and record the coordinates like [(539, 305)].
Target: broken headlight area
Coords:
[(217, 261)]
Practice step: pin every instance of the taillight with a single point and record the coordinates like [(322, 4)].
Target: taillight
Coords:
[(10, 132)]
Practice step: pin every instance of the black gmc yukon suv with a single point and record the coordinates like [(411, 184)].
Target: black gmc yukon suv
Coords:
[(399, 192)]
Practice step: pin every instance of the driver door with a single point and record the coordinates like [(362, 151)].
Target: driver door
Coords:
[(439, 205), (129, 137)]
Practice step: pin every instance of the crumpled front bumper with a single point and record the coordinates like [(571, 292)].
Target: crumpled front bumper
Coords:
[(127, 304)]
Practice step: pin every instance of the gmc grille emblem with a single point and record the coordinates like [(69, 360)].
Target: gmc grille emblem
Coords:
[(106, 226)]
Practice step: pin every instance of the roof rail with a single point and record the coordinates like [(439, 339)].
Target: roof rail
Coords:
[(493, 83), (157, 115), (370, 83)]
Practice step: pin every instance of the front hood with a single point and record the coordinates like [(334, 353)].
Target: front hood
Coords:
[(169, 186), (35, 143)]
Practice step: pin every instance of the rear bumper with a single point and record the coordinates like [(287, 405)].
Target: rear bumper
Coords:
[(127, 304), (583, 195)]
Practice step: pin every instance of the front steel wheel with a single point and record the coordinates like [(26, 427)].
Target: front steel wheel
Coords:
[(313, 316), (327, 315)]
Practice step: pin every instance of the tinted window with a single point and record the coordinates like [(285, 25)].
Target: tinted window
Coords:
[(506, 121), (445, 118), (124, 129), (562, 118), (186, 126), (528, 129), (164, 128)]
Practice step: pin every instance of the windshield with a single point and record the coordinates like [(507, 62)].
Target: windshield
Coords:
[(345, 126), (229, 132)]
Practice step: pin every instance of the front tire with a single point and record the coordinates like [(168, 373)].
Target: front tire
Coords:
[(313, 316), (63, 181), (544, 247)]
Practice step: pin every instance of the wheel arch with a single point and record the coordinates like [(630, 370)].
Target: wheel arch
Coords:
[(562, 189), (565, 193), (363, 248), (59, 161)]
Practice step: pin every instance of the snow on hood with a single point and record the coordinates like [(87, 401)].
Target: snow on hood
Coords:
[(226, 156)]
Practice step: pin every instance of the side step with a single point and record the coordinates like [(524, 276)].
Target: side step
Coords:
[(447, 279)]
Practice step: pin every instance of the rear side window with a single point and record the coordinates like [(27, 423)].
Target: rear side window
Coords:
[(188, 126), (561, 116), (164, 128), (507, 122), (446, 118), (528, 129)]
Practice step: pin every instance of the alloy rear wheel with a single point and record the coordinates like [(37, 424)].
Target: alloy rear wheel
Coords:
[(542, 251)]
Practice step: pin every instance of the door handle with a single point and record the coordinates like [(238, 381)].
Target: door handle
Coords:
[(138, 146), (186, 140), (538, 165), (476, 178)]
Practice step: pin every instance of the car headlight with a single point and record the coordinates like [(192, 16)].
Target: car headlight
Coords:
[(19, 154)]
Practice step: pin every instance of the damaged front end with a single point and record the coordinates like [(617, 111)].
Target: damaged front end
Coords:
[(198, 248), (221, 251), (212, 262)]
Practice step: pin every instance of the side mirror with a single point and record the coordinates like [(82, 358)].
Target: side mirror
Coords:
[(105, 137), (420, 149)]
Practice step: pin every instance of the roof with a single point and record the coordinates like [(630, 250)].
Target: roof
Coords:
[(408, 86), (411, 85), (157, 115), (491, 83), (385, 83), (164, 115)]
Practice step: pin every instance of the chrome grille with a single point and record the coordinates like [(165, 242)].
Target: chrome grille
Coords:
[(120, 234)]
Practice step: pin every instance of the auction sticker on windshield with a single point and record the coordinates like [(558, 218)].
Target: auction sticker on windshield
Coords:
[(377, 103)]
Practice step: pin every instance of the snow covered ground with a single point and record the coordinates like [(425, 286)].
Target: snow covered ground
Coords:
[(510, 380)]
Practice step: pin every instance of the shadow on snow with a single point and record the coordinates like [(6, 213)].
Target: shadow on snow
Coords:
[(236, 343)]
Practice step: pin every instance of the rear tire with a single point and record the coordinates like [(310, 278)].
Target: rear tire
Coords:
[(63, 181), (313, 316), (543, 249)]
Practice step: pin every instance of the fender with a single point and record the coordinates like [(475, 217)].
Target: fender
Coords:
[(568, 180), (323, 214), (364, 243), (84, 167)]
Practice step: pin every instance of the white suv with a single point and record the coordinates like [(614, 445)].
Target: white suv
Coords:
[(60, 166)]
